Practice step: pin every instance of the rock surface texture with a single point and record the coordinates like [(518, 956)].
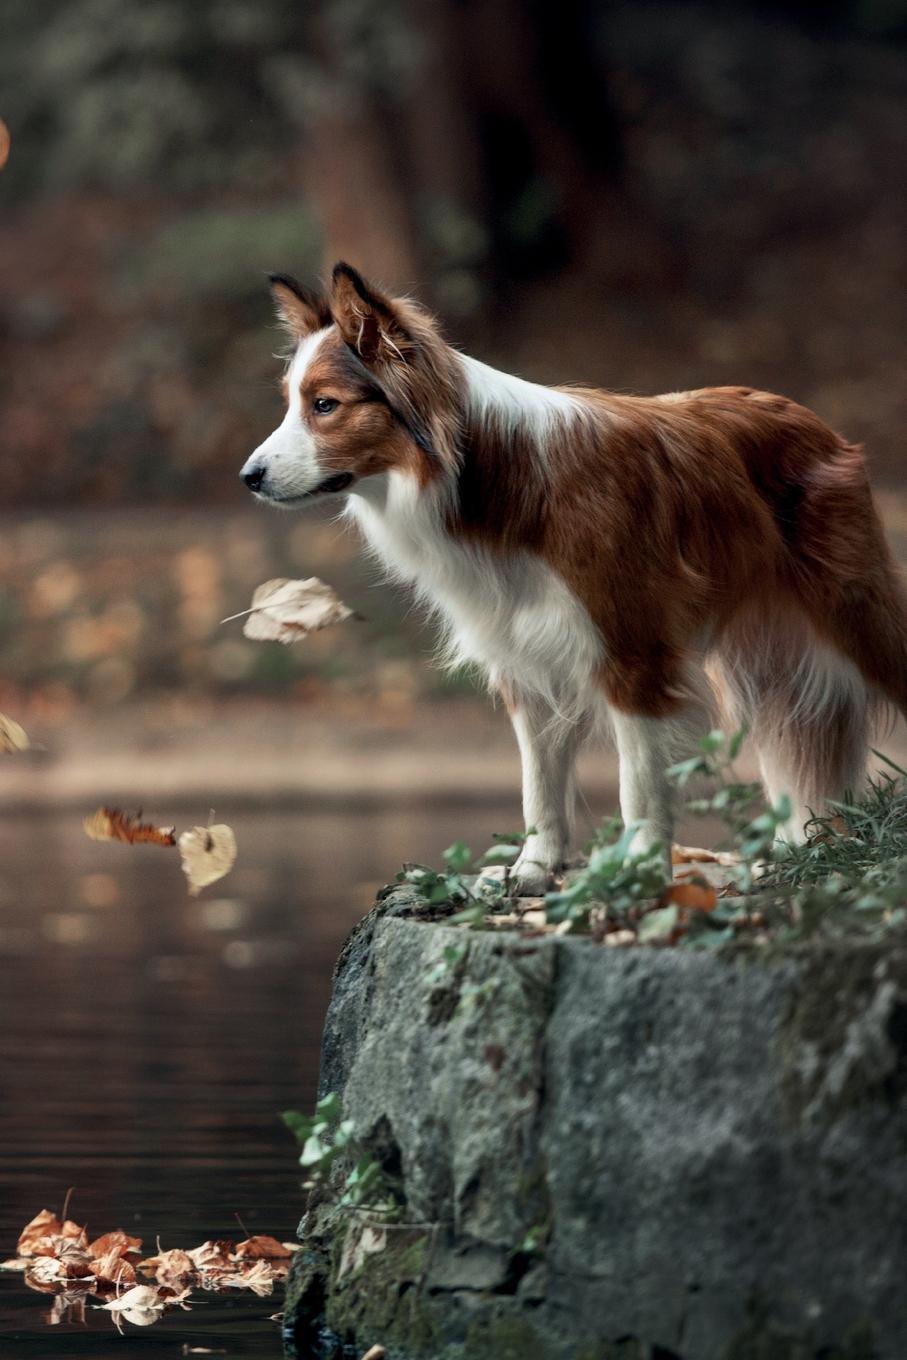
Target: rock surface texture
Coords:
[(635, 1153)]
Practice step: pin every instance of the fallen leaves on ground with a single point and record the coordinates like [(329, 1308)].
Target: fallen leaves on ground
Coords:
[(110, 824), (208, 853), (284, 610), (12, 736), (56, 1257)]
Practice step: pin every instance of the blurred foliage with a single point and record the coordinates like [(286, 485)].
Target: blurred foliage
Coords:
[(126, 93), (642, 196), (104, 609)]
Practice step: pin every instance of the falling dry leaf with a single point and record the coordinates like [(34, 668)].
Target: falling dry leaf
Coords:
[(12, 736), (4, 143), (284, 610), (208, 853), (266, 1248), (110, 824)]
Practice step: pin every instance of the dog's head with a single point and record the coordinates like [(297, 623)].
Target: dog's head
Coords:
[(370, 388)]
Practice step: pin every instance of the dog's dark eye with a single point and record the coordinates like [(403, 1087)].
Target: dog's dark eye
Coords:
[(323, 406)]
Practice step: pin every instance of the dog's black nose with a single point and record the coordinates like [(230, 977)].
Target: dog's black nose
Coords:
[(253, 476)]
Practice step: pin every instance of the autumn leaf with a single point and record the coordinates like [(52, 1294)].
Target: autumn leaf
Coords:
[(208, 853), (259, 1247), (694, 854), (41, 1236), (142, 1305), (212, 1255), (110, 824), (284, 610), (170, 1267), (12, 736), (118, 1240), (4, 143), (258, 1277), (691, 895), (113, 1268)]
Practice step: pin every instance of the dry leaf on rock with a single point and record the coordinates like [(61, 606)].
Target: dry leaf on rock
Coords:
[(110, 824), (12, 736), (694, 854), (208, 853), (284, 610), (261, 1247), (692, 895), (4, 143)]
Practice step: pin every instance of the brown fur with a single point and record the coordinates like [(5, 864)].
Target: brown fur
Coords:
[(701, 520)]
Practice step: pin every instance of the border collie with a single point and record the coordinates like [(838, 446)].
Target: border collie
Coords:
[(641, 561)]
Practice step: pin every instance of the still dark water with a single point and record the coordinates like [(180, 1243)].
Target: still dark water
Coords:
[(149, 1040)]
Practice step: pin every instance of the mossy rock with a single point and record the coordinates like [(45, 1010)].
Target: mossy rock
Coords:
[(643, 1154)]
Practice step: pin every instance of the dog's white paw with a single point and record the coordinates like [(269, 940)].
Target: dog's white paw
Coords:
[(530, 877)]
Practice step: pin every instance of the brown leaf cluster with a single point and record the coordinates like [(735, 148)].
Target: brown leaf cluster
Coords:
[(56, 1257)]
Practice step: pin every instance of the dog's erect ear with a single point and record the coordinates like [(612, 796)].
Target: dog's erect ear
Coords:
[(300, 311), (367, 321)]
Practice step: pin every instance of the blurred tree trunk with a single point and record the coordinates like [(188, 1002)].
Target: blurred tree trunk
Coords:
[(493, 155)]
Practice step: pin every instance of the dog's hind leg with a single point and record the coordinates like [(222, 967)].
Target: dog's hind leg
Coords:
[(809, 711)]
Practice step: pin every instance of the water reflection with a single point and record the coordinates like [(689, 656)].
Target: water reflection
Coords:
[(147, 1041)]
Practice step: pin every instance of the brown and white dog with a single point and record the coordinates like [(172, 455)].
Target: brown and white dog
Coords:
[(602, 556)]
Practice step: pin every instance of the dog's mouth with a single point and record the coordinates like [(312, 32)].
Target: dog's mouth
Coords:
[(329, 487), (339, 482)]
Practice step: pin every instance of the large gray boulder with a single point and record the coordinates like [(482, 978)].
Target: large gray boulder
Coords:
[(641, 1153)]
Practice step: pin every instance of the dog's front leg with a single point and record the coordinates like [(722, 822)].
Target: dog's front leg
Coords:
[(548, 745), (646, 748)]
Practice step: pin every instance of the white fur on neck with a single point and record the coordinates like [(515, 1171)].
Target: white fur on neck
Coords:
[(514, 617), (514, 402)]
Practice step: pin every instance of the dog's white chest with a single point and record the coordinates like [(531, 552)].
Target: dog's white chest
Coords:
[(515, 617)]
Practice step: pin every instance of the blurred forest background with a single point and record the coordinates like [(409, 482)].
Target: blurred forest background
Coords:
[(644, 194)]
